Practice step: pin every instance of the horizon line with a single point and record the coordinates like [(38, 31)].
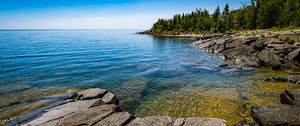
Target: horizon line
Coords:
[(7, 29)]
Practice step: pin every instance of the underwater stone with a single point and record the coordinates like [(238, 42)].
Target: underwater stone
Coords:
[(291, 97), (273, 115)]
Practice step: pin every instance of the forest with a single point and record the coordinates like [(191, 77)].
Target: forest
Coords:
[(257, 14)]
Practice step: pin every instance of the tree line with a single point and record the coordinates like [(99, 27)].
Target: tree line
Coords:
[(258, 14)]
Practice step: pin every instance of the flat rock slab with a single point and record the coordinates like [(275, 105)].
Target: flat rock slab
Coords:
[(116, 119), (88, 116), (91, 93), (61, 111), (152, 121), (271, 115)]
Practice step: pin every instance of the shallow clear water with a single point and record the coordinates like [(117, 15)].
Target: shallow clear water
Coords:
[(134, 67)]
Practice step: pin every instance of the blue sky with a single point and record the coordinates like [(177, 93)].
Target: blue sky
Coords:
[(97, 14)]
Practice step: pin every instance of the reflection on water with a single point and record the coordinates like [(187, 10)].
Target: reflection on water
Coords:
[(139, 69)]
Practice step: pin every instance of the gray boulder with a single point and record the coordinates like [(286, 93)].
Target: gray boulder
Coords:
[(269, 59), (274, 115), (91, 93)]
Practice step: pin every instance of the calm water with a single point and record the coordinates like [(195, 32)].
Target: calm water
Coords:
[(135, 67)]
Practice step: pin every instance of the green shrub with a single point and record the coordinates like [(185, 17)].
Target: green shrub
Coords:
[(287, 40)]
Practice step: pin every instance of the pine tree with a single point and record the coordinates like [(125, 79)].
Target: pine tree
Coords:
[(216, 18)]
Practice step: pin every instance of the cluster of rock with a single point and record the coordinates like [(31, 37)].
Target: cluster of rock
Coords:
[(286, 114), (98, 107), (291, 79), (253, 51)]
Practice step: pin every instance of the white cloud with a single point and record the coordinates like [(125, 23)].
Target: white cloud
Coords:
[(85, 19), (99, 18), (21, 15)]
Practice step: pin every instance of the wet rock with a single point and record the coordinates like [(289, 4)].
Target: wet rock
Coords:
[(91, 93), (152, 121), (110, 98), (291, 97), (269, 58), (273, 115), (61, 111), (295, 55), (116, 119), (203, 121), (88, 116)]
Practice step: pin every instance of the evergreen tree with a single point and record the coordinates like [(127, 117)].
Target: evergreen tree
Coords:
[(226, 18), (258, 14), (216, 17)]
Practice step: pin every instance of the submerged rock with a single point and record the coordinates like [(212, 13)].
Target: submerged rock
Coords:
[(291, 97), (291, 79), (274, 115)]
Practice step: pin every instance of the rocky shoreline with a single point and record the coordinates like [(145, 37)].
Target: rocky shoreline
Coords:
[(254, 51), (98, 107)]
